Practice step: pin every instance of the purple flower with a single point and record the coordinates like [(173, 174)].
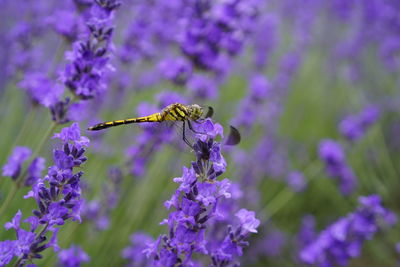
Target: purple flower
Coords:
[(307, 232), (398, 247), (35, 170), (232, 245), (25, 240), (72, 23), (389, 49), (248, 220), (14, 163), (343, 240), (196, 207), (203, 87), (59, 111), (72, 134), (7, 251), (265, 38), (57, 196), (41, 89), (15, 222), (213, 31), (177, 70), (24, 37), (353, 127), (272, 244), (89, 59), (332, 153), (72, 257), (259, 89), (136, 251), (28, 244), (296, 181)]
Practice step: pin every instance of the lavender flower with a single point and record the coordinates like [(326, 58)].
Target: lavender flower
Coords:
[(28, 245), (212, 31), (271, 245), (234, 242), (59, 111), (274, 243), (353, 127), (23, 39), (73, 19), (13, 166), (57, 196), (89, 60), (139, 243), (259, 88), (151, 31), (177, 70), (203, 87), (41, 89), (343, 240), (35, 170), (196, 202), (296, 181), (265, 39), (307, 232), (332, 153), (390, 46), (72, 257)]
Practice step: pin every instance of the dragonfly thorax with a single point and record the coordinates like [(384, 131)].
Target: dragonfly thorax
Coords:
[(195, 112)]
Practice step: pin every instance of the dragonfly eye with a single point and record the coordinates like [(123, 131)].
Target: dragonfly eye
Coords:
[(210, 112), (234, 137), (195, 112)]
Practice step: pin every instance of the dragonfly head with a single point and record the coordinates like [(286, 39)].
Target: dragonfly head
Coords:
[(195, 112)]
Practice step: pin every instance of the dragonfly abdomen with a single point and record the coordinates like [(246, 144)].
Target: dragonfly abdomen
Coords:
[(104, 125)]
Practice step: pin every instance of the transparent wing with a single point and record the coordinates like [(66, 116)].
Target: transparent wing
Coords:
[(183, 133)]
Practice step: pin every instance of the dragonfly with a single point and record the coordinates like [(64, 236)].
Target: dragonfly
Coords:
[(175, 113)]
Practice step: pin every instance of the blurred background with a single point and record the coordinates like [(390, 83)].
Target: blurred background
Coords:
[(313, 87)]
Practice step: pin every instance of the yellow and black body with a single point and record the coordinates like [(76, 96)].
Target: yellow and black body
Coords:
[(175, 112)]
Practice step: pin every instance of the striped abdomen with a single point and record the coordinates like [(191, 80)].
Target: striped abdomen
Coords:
[(156, 117)]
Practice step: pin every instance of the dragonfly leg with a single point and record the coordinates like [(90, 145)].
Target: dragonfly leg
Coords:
[(184, 135), (191, 128)]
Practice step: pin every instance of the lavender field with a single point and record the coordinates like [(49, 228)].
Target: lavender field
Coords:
[(312, 86)]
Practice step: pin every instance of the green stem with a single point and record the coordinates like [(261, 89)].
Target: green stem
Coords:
[(9, 198), (386, 153), (25, 125), (284, 196), (20, 180), (18, 263)]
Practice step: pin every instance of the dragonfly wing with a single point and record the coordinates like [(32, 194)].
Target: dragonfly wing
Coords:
[(233, 137), (210, 112), (183, 133), (161, 131), (186, 131)]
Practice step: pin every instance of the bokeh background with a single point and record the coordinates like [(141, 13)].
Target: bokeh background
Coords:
[(313, 87)]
